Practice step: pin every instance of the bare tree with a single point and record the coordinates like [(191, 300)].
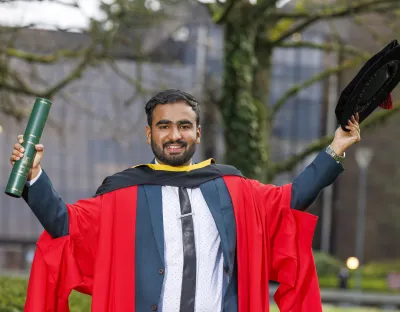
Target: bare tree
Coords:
[(253, 30), (27, 52)]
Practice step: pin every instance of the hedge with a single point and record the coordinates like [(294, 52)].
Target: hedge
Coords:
[(381, 269), (374, 274), (327, 265), (369, 284), (13, 290)]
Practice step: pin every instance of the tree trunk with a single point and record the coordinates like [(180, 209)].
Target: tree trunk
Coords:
[(261, 93), (211, 120), (243, 115), (261, 96), (210, 131)]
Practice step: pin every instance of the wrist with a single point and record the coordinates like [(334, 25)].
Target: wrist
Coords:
[(34, 173), (338, 148)]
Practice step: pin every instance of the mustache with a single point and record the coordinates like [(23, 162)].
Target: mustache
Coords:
[(180, 142)]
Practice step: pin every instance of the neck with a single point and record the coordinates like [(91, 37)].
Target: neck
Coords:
[(158, 162)]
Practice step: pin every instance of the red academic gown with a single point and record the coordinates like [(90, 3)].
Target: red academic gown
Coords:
[(97, 257)]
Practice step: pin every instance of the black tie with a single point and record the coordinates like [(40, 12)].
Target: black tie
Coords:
[(189, 254)]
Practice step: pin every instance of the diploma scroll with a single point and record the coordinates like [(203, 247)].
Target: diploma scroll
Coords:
[(32, 135)]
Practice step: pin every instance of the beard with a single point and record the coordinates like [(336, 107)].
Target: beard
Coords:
[(173, 160)]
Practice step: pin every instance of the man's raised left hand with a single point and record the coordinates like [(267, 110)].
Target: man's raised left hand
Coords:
[(344, 139)]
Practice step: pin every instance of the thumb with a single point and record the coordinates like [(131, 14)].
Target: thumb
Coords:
[(39, 152), (39, 148)]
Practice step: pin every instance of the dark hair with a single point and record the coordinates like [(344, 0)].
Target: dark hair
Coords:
[(172, 96)]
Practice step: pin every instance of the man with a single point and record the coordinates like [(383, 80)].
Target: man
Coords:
[(176, 236)]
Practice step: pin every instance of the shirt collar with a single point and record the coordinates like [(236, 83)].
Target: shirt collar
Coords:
[(157, 163)]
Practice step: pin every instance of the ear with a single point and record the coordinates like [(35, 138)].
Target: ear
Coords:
[(148, 134), (198, 135)]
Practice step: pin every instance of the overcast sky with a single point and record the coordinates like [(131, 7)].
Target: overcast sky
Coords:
[(47, 13)]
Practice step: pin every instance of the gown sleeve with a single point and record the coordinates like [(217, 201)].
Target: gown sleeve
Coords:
[(66, 263), (290, 258)]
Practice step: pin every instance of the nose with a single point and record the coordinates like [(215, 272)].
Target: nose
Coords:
[(174, 134)]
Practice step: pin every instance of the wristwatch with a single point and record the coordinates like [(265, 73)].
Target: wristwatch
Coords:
[(335, 156)]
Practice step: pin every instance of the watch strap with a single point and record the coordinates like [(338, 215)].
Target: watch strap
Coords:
[(335, 156)]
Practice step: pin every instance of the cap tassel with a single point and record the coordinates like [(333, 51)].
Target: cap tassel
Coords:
[(387, 104)]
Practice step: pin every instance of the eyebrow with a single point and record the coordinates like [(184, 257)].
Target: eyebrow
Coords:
[(179, 122)]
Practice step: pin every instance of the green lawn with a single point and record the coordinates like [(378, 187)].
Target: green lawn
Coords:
[(334, 309), (13, 290)]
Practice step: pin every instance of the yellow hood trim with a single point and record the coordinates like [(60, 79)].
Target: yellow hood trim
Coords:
[(180, 168)]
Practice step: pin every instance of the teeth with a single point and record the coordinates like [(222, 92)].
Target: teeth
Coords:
[(174, 147)]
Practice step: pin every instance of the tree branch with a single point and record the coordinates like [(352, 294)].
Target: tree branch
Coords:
[(378, 38), (14, 110), (262, 8), (367, 6), (374, 120), (212, 8), (21, 88), (293, 161), (328, 47), (223, 16), (296, 89), (338, 11), (134, 82), (44, 59), (76, 73), (18, 90), (298, 28)]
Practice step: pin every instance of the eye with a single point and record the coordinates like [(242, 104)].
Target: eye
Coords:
[(163, 127), (185, 127)]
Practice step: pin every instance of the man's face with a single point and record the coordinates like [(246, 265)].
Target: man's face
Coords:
[(173, 134)]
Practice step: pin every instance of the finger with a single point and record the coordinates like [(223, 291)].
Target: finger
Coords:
[(350, 123), (355, 134), (39, 147), (357, 117), (20, 138), (19, 147), (353, 119), (352, 129), (14, 158), (354, 126), (17, 153)]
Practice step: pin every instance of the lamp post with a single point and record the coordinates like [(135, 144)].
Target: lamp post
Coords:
[(363, 158)]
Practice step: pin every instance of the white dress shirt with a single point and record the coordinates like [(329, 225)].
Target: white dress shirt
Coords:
[(209, 257), (29, 183)]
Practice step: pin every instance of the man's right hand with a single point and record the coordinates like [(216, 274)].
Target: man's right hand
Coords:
[(18, 153)]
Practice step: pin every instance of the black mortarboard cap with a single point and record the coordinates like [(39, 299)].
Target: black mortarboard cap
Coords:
[(372, 86)]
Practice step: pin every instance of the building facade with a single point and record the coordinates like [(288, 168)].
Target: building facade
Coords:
[(96, 125)]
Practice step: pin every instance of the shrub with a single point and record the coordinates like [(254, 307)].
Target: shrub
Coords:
[(12, 294), (381, 269), (368, 283), (13, 291), (327, 265)]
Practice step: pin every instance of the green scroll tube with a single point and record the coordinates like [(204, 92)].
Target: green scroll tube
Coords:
[(32, 135)]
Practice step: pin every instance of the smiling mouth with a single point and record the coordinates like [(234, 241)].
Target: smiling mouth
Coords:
[(174, 148)]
